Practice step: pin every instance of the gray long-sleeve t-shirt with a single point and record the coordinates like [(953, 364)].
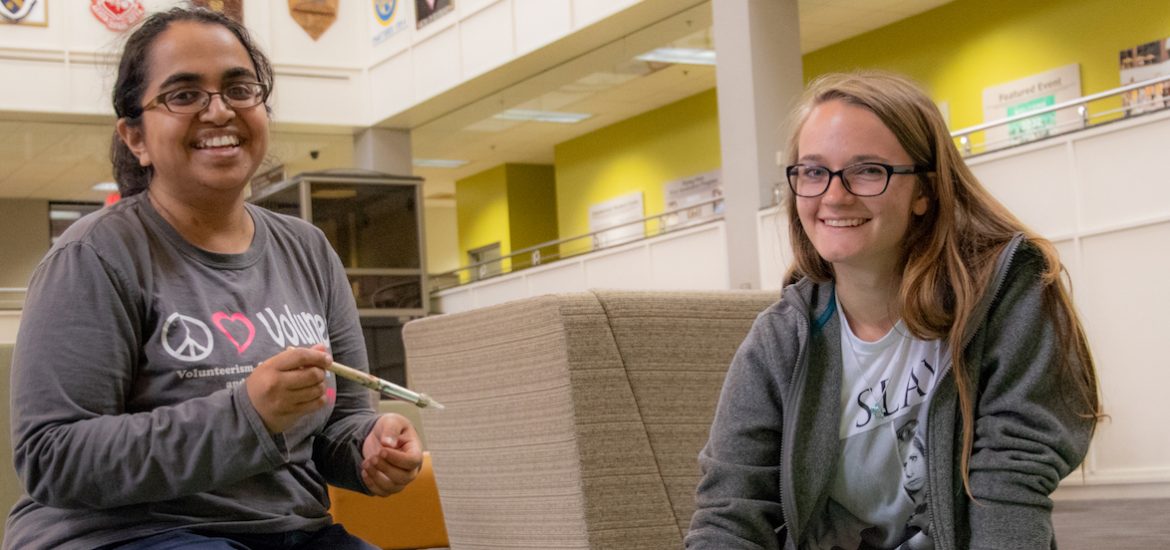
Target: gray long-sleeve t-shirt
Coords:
[(129, 412)]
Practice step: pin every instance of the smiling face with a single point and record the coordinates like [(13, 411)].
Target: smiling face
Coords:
[(851, 232), (210, 153)]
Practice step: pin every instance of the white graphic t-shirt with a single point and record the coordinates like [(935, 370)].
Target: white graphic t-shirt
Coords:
[(878, 495)]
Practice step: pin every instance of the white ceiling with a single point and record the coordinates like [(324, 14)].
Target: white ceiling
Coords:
[(46, 158)]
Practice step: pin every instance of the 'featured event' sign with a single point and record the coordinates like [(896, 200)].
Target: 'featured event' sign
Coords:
[(1028, 94)]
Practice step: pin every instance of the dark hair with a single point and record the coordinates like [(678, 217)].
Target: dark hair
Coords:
[(133, 78)]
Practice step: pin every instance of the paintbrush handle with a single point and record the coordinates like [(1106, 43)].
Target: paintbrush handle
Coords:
[(384, 387)]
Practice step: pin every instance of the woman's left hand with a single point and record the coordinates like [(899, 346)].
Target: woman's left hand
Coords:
[(392, 455)]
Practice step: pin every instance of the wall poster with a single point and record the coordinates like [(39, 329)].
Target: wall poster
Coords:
[(1143, 62), (429, 11), (1032, 93), (621, 210), (24, 12), (695, 194), (230, 8), (387, 18), (314, 16), (117, 15)]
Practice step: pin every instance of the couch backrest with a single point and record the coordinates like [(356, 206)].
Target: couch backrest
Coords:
[(575, 420)]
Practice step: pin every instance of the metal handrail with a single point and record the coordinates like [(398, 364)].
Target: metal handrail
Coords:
[(1052, 108), (557, 242)]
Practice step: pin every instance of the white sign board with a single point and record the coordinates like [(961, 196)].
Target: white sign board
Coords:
[(615, 212), (691, 193), (1029, 94)]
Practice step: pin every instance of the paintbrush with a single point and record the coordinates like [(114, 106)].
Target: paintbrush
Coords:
[(384, 387)]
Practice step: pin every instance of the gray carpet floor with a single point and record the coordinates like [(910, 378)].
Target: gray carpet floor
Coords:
[(1134, 524)]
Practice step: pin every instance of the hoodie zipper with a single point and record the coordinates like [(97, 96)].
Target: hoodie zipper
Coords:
[(787, 440)]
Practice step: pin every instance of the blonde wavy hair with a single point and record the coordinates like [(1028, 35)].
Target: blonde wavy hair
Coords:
[(949, 253)]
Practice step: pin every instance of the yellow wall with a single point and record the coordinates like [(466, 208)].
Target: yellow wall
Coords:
[(482, 211), (532, 208), (513, 204), (962, 47), (638, 154), (955, 50)]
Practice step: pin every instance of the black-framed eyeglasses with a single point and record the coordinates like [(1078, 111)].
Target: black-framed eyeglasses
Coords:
[(189, 101), (866, 179)]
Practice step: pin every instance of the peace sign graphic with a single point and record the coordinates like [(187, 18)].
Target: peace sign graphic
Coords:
[(179, 330)]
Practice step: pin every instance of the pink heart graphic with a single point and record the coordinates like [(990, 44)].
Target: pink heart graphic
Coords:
[(219, 317)]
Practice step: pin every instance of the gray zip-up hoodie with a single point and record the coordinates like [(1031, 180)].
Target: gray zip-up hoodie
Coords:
[(769, 460)]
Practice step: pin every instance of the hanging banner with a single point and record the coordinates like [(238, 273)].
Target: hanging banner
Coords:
[(697, 194), (315, 16), (24, 12), (387, 19), (429, 11), (117, 15), (230, 8), (1030, 94), (1143, 62), (614, 212)]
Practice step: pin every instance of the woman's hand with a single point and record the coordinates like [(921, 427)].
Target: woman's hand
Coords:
[(392, 455), (289, 385)]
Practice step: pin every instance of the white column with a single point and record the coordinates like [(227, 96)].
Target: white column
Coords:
[(384, 150), (758, 76)]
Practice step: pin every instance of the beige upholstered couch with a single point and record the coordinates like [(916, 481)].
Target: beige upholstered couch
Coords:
[(574, 420)]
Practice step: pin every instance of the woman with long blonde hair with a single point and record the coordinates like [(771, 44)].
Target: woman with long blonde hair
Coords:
[(921, 322)]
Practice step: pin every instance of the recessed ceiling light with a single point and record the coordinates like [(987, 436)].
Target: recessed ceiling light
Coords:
[(685, 56), (105, 187), (64, 215), (438, 163), (542, 116)]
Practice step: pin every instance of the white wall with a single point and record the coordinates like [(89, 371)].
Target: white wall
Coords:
[(688, 259), (1103, 197)]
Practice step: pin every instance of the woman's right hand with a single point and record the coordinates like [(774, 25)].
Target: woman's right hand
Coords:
[(289, 385)]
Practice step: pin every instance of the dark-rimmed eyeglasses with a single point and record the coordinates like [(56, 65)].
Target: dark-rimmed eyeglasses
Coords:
[(866, 179), (189, 101)]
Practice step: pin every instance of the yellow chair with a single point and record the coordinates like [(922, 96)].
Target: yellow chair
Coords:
[(410, 519)]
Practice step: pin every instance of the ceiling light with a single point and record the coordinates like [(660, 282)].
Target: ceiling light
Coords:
[(685, 56), (105, 187), (542, 116), (438, 163), (64, 215)]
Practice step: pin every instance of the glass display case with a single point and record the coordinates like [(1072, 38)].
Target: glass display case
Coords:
[(375, 223)]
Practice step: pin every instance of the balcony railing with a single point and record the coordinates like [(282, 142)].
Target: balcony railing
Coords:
[(656, 224), (1145, 96)]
